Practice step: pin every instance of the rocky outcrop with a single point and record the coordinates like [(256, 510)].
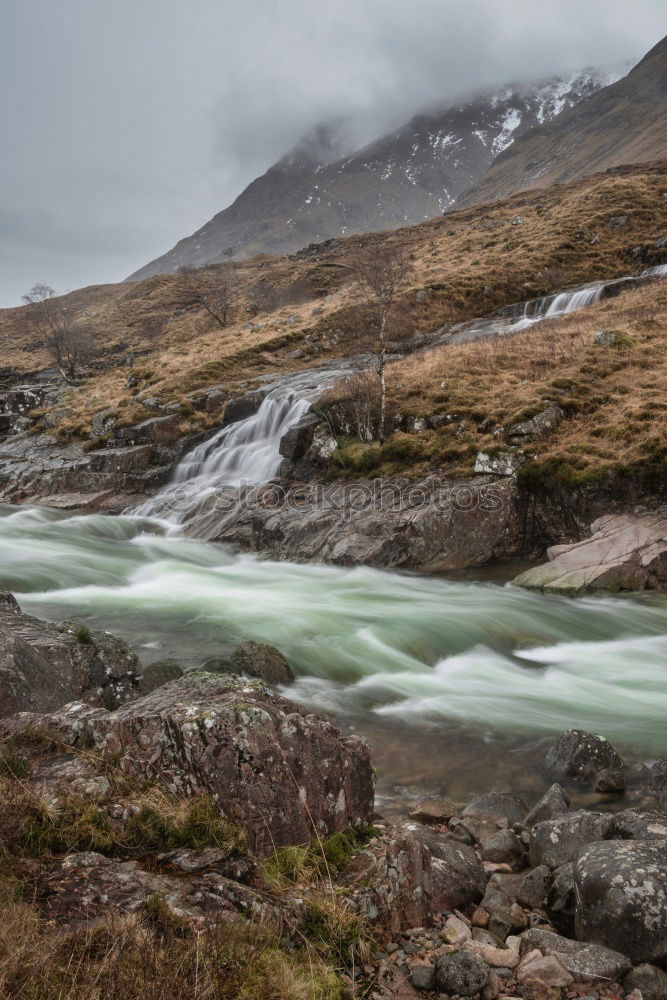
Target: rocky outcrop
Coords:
[(42, 666), (621, 897), (623, 552), (429, 525), (280, 773)]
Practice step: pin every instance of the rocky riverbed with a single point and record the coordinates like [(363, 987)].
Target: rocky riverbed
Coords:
[(496, 897)]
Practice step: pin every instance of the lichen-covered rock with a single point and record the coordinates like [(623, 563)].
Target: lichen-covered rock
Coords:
[(282, 774), (557, 841), (458, 876), (638, 824), (463, 973), (581, 756), (257, 659), (554, 802), (582, 959), (539, 425), (391, 883), (621, 897), (43, 666)]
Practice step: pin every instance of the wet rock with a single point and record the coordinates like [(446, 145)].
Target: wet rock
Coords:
[(462, 974), (43, 666), (624, 552), (242, 407), (497, 806), (299, 437), (258, 659), (621, 897), (560, 899), (554, 802), (657, 781), (434, 811), (609, 780), (279, 772), (458, 877), (582, 959), (158, 673), (557, 841), (649, 980), (582, 756)]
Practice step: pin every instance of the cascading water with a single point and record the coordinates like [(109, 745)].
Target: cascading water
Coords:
[(243, 454), (521, 315)]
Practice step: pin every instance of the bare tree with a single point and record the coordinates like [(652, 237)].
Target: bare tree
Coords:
[(51, 315), (380, 272), (219, 296)]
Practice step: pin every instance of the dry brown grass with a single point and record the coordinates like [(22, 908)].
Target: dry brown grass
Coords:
[(470, 262), (615, 397)]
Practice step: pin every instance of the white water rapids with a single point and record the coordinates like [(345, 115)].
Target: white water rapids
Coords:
[(424, 665)]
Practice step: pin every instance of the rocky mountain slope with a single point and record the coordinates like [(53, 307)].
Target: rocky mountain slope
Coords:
[(623, 123), (321, 189)]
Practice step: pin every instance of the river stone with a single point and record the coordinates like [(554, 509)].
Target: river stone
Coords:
[(610, 780), (44, 666), (624, 552), (503, 847), (579, 755), (554, 802), (657, 781), (581, 958), (649, 980), (547, 968), (158, 673), (458, 877), (497, 806), (434, 811), (621, 897), (557, 841), (533, 888), (253, 659), (280, 772), (462, 973), (560, 899)]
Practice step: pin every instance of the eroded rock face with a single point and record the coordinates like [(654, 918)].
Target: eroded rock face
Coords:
[(624, 552), (621, 897), (280, 773), (43, 667)]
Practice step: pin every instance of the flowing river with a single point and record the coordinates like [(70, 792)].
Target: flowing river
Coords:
[(454, 680)]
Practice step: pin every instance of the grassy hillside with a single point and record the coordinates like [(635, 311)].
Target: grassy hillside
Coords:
[(468, 263)]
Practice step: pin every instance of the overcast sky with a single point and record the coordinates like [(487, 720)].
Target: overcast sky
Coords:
[(126, 124)]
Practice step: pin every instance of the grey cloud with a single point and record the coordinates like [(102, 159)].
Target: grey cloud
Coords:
[(127, 125)]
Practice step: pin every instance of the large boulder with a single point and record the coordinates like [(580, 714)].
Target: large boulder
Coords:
[(557, 841), (299, 438), (649, 980), (282, 774), (621, 897), (624, 552), (43, 666), (458, 876), (582, 959), (258, 659), (581, 756)]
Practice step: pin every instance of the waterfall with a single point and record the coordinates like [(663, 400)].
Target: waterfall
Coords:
[(243, 454)]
